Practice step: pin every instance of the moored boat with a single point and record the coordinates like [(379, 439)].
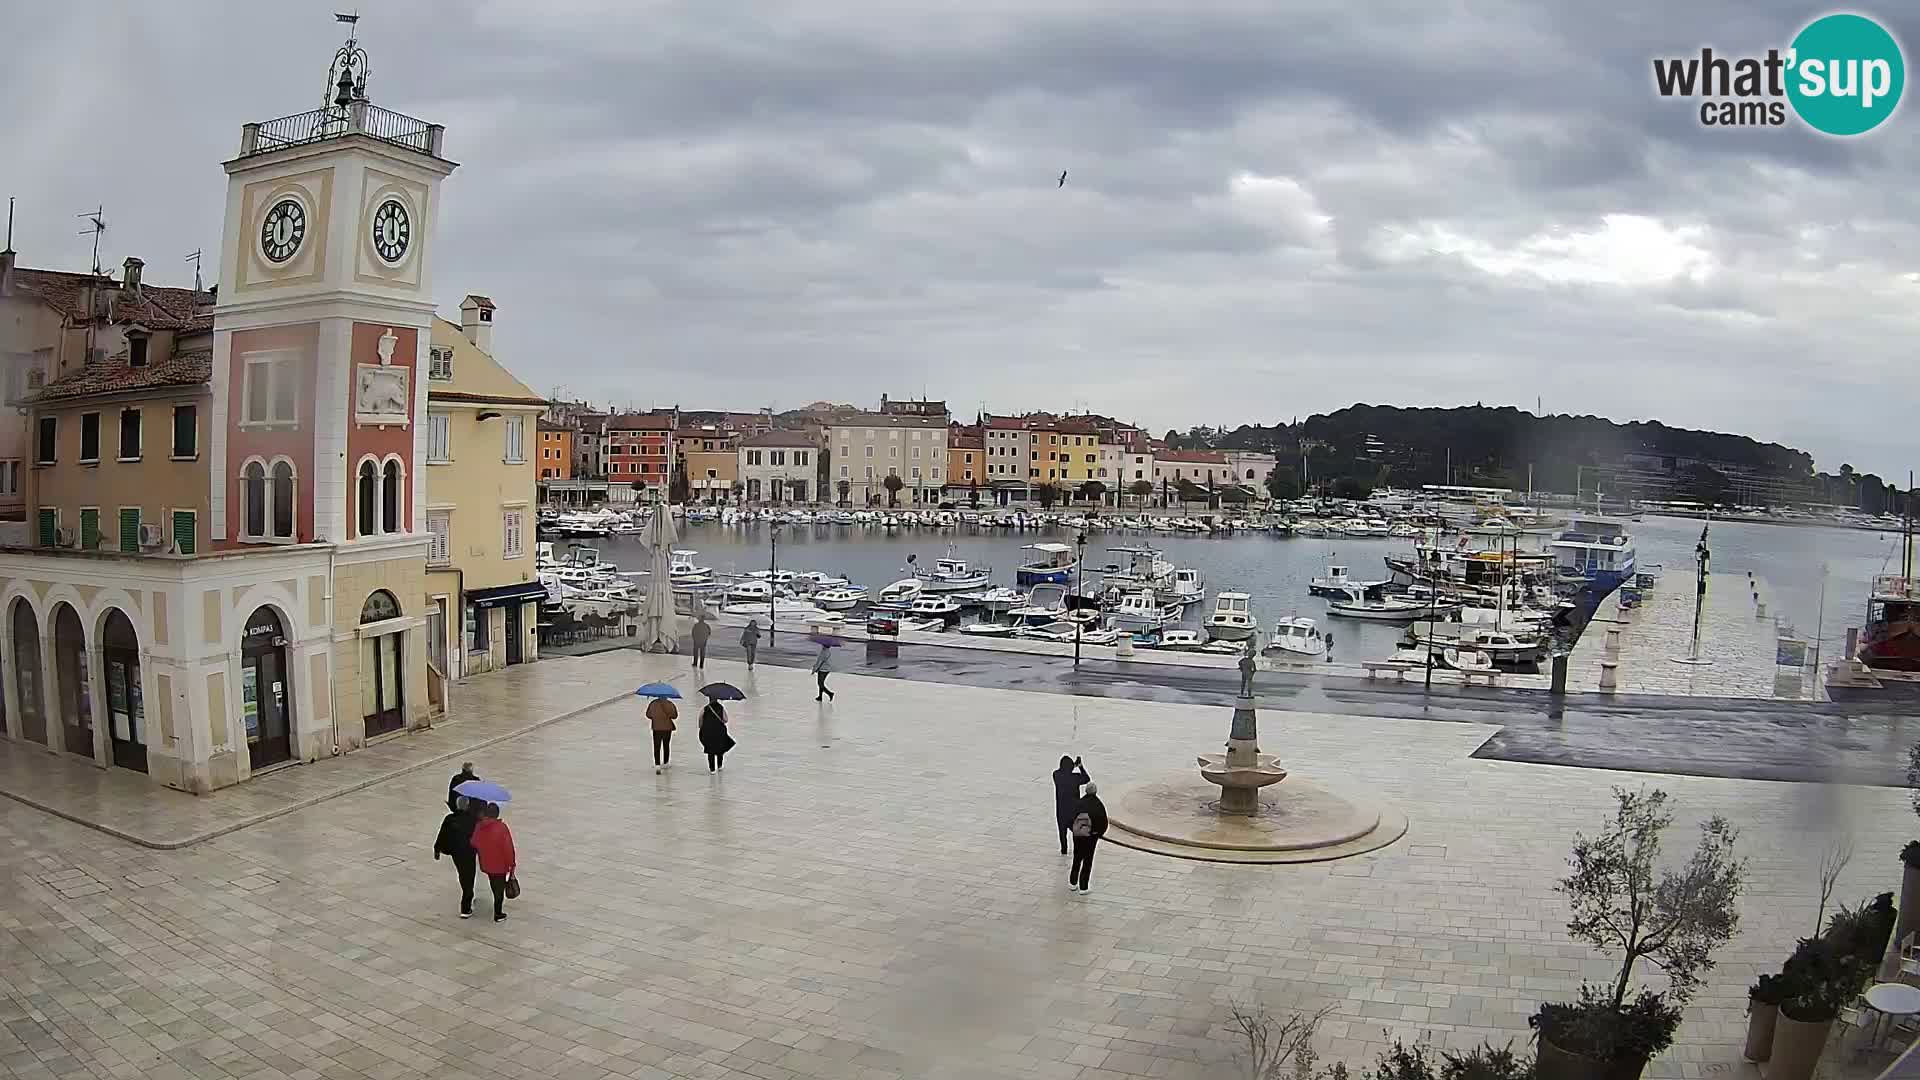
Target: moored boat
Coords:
[(1232, 618)]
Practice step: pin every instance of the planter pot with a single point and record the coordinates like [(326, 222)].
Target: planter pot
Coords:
[(1558, 1063), (1760, 1023), (1796, 1047), (1909, 915)]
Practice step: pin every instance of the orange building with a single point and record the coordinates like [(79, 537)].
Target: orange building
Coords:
[(556, 452)]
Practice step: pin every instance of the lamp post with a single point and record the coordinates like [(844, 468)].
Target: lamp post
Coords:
[(773, 561), (1079, 571)]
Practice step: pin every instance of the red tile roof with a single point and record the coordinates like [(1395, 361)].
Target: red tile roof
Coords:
[(1197, 457), (780, 438), (640, 422), (115, 377), (156, 308)]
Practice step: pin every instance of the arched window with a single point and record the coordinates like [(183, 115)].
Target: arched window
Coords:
[(253, 500), (380, 606), (282, 484), (390, 497), (369, 481)]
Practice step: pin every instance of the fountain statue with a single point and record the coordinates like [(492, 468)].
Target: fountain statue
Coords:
[(1243, 770)]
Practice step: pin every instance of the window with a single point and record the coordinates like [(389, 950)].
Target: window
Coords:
[(130, 529), (893, 451), (89, 438), (936, 474), (9, 477), (440, 534), (440, 363), (90, 528), (843, 472), (390, 498), (893, 470), (49, 526), (779, 457), (281, 481), (129, 434), (186, 431), (869, 452), (136, 350), (437, 437), (368, 497), (916, 472), (183, 532), (753, 457), (516, 439), (869, 474), (270, 391), (512, 543), (253, 500)]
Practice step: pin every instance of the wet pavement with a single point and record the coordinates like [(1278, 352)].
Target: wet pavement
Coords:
[(1736, 738)]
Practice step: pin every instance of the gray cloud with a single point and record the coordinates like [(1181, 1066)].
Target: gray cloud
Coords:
[(1272, 209)]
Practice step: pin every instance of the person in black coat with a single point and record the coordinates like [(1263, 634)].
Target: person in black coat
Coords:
[(465, 774), (1066, 794), (456, 842), (1089, 825), (713, 735)]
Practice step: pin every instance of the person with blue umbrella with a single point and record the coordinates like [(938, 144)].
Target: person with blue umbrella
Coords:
[(661, 714)]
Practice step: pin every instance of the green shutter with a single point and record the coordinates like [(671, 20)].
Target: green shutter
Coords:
[(183, 531), (49, 527), (90, 529), (130, 530)]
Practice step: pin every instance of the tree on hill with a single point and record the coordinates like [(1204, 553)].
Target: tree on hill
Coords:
[(1282, 485)]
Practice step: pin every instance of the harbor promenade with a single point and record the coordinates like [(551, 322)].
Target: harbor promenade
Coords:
[(1737, 643), (869, 891)]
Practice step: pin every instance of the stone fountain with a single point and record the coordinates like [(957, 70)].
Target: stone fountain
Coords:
[(1243, 770)]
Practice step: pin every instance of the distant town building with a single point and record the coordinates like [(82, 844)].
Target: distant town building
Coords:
[(866, 448), (913, 407), (778, 467), (556, 451)]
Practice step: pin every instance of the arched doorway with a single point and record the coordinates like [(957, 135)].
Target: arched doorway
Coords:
[(263, 689), (72, 697), (26, 672), (126, 710), (382, 677)]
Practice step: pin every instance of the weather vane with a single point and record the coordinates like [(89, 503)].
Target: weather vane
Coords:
[(347, 75)]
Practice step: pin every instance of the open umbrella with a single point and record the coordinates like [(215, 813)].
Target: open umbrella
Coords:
[(721, 691), (484, 790), (828, 640), (657, 689)]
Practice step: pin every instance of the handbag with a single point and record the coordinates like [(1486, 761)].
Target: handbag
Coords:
[(513, 887)]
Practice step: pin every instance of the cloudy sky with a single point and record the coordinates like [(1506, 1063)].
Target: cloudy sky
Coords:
[(1274, 207)]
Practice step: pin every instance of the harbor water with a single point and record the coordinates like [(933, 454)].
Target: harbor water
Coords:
[(1275, 570)]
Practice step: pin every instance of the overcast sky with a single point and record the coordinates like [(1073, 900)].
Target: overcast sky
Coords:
[(1273, 208)]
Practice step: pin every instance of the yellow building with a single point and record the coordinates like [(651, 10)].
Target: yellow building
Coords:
[(481, 470), (1078, 455)]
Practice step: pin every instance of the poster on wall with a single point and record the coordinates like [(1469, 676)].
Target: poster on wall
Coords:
[(119, 719), (250, 701)]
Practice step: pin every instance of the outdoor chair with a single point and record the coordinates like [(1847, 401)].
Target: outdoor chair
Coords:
[(1909, 970)]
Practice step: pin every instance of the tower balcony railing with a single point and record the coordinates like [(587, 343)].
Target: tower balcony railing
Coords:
[(359, 118)]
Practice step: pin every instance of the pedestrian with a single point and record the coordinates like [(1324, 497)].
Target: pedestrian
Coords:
[(1089, 825), (1329, 644), (661, 713), (750, 640), (713, 735), (822, 667), (1066, 795), (456, 842), (493, 843), (702, 630), (465, 774)]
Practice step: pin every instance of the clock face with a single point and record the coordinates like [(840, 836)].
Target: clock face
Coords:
[(392, 231), (280, 234)]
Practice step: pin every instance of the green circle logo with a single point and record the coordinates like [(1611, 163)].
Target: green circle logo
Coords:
[(1847, 74)]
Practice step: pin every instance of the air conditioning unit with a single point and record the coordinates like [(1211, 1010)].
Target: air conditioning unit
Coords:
[(151, 536)]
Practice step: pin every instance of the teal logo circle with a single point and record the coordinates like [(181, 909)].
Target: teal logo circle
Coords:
[(1847, 74)]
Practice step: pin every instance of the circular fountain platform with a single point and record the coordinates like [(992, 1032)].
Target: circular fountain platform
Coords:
[(1299, 821)]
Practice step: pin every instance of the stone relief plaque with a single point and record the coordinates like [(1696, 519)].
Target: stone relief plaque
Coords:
[(381, 395)]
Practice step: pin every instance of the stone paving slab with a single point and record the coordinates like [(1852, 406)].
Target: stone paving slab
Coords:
[(871, 889), (1738, 641), (484, 710)]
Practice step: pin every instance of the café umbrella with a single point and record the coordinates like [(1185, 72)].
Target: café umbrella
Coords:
[(483, 790)]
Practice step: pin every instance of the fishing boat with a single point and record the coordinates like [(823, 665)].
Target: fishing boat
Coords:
[(1044, 604), (1505, 648), (900, 595), (954, 575), (1188, 587), (941, 608), (1140, 613), (1051, 563), (1232, 617), (996, 601), (1297, 637), (1145, 569), (842, 598), (1065, 631), (749, 591), (1335, 583), (1373, 604), (683, 570)]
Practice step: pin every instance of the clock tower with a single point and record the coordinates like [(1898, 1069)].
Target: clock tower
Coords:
[(318, 377)]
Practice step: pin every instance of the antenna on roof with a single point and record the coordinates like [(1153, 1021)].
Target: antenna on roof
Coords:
[(194, 258), (9, 246), (96, 225)]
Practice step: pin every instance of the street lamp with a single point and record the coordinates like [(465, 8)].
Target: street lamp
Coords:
[(1079, 573), (773, 593)]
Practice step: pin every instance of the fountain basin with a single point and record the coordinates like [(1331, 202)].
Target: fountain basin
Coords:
[(1298, 821)]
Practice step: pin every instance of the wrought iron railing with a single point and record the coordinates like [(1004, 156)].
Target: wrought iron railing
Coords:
[(360, 118)]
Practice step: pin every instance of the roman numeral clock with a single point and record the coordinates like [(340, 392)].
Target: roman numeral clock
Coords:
[(392, 231)]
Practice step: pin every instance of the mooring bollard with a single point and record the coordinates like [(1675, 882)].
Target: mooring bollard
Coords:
[(1761, 612), (1609, 679), (1123, 649), (1613, 643)]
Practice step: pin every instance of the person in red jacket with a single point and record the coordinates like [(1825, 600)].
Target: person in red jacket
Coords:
[(493, 843)]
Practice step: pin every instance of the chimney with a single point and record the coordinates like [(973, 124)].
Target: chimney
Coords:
[(7, 259), (130, 280), (476, 319)]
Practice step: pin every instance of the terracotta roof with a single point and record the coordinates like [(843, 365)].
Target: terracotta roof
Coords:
[(639, 422), (1194, 457), (478, 300), (780, 438), (483, 399), (156, 308), (887, 420), (115, 377), (965, 440)]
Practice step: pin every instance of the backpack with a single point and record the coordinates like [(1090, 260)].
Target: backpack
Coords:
[(1083, 825)]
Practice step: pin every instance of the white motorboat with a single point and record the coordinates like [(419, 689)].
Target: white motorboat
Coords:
[(1335, 583), (1298, 637), (996, 600), (842, 598), (935, 607), (1140, 613), (1043, 605), (1180, 639), (1063, 630), (900, 595), (988, 629), (1188, 587), (749, 591), (815, 580), (1232, 618), (1408, 656), (1374, 605), (1467, 659), (954, 575), (1503, 647), (1050, 564), (783, 609), (923, 626)]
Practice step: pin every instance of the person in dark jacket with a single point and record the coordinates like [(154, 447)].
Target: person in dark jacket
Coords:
[(465, 774), (1089, 825), (702, 630), (456, 842), (1066, 794), (661, 715), (713, 735), (493, 846), (750, 640)]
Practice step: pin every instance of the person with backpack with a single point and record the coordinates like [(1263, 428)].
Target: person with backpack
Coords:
[(493, 844), (750, 640), (1089, 825), (456, 842), (661, 714), (1066, 795)]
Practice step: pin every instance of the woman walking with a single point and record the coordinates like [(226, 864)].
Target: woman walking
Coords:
[(661, 713), (493, 843), (822, 667), (750, 640), (713, 735)]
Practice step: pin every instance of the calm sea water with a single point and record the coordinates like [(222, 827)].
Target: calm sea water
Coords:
[(1275, 571)]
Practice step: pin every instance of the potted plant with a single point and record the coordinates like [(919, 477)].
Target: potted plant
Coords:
[(1824, 976), (1910, 856), (1763, 1008), (1624, 903)]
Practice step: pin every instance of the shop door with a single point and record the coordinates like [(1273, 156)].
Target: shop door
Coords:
[(514, 607)]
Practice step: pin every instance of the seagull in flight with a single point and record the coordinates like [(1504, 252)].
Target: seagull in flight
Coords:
[(1063, 180)]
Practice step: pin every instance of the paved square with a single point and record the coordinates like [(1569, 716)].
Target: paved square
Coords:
[(870, 890)]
